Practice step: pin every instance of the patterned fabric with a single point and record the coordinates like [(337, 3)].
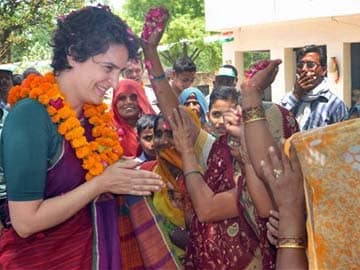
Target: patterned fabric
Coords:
[(236, 243), (324, 110), (126, 132), (152, 229), (330, 161), (227, 244)]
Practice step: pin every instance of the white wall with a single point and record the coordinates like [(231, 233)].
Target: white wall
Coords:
[(225, 14), (280, 38)]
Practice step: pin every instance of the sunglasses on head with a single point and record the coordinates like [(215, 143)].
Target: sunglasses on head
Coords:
[(309, 64), (132, 97)]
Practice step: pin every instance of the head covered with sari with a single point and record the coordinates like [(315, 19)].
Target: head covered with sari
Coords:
[(125, 130), (166, 156), (192, 91)]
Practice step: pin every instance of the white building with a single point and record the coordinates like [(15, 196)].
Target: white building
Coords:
[(280, 26)]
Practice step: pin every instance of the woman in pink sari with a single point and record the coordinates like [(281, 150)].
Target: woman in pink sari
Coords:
[(128, 104)]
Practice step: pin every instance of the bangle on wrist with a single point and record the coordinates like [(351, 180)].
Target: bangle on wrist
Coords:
[(253, 114), (158, 78), (192, 172), (291, 242), (291, 245)]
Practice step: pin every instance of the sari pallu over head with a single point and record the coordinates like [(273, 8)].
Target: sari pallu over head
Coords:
[(204, 107), (127, 132)]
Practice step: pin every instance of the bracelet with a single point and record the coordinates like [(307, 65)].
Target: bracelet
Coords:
[(254, 120), (290, 245), (291, 242), (252, 114), (159, 78), (191, 172)]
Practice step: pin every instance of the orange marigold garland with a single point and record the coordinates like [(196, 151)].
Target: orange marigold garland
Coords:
[(96, 155)]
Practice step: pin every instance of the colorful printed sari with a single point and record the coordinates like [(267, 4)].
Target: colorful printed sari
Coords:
[(235, 243), (330, 161)]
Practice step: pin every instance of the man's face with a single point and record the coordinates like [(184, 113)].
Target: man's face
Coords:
[(5, 83), (146, 140), (309, 69), (224, 81), (183, 80), (133, 71)]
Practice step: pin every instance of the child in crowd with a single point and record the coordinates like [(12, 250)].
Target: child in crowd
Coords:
[(183, 75), (145, 131)]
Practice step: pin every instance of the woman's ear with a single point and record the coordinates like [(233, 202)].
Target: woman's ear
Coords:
[(70, 60)]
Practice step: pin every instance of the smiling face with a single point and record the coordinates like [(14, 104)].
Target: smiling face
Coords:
[(91, 79), (128, 107), (216, 112)]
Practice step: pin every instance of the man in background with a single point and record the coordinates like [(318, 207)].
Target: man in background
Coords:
[(311, 101)]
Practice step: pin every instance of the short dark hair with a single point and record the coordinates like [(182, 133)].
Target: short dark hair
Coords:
[(30, 70), (321, 50), (144, 122), (184, 64), (17, 79), (88, 32), (224, 93)]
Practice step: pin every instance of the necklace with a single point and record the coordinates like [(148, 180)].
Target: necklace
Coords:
[(97, 154)]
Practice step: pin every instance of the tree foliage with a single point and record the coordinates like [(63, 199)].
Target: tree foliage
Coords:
[(186, 25), (26, 27)]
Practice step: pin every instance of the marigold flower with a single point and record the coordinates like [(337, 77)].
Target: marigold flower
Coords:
[(102, 151)]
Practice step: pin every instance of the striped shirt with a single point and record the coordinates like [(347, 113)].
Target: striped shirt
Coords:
[(326, 109)]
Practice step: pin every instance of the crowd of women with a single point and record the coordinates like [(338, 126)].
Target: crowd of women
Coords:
[(197, 186)]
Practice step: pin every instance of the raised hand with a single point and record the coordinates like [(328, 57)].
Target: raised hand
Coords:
[(285, 179), (233, 122), (154, 26), (260, 79), (183, 129)]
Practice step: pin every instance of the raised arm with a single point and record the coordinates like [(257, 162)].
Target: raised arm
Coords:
[(257, 134), (209, 206), (288, 191), (166, 96), (256, 188)]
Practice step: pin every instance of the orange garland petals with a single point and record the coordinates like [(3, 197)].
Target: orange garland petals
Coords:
[(97, 154)]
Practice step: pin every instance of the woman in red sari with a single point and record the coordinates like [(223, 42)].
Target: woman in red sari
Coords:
[(230, 202), (128, 104)]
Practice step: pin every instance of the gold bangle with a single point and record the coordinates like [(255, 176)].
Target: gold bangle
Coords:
[(291, 242), (290, 245), (253, 113), (254, 120)]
